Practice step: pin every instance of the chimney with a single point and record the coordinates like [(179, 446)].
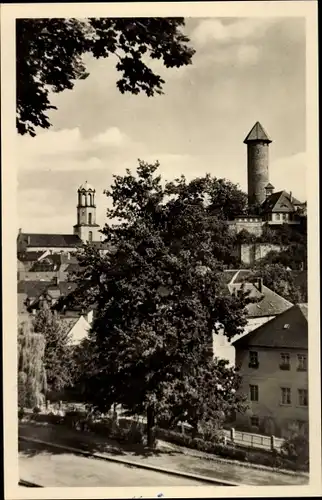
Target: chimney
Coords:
[(291, 197), (260, 284), (20, 230)]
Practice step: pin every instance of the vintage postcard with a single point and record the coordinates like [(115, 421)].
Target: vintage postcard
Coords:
[(160, 212)]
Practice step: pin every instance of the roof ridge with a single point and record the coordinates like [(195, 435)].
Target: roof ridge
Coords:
[(263, 326)]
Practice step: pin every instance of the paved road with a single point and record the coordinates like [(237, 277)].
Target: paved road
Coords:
[(187, 463), (65, 469)]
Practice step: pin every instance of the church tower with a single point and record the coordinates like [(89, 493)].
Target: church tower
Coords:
[(86, 227), (257, 163)]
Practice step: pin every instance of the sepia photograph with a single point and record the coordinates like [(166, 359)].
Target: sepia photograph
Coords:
[(163, 322)]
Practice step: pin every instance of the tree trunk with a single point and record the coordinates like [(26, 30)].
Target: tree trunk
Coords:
[(194, 431), (150, 427)]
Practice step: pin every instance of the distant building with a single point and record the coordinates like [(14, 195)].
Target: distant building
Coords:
[(47, 266), (86, 227), (269, 305), (273, 363), (282, 208), (55, 243), (273, 208), (36, 295), (85, 231)]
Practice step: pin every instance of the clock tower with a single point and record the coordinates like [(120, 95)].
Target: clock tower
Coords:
[(86, 227)]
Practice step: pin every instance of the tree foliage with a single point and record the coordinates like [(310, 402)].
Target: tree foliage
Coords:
[(282, 280), (205, 397), (296, 448), (49, 57), (57, 352), (31, 369), (159, 298)]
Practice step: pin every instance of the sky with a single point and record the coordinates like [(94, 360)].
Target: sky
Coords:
[(244, 70)]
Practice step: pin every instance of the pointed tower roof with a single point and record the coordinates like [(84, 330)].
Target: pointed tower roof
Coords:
[(269, 186), (257, 134)]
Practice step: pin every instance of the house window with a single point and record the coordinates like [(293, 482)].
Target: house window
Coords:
[(90, 236), (254, 421), (277, 216), (285, 396), (303, 397), (253, 359), (302, 363), (253, 392), (285, 361), (89, 218), (284, 216)]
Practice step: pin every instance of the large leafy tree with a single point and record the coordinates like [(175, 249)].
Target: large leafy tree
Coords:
[(49, 55), (159, 298), (31, 370), (57, 351), (281, 279), (205, 397)]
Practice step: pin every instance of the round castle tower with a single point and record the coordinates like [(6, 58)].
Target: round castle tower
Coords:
[(257, 163)]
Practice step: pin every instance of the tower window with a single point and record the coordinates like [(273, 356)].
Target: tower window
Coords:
[(89, 218), (90, 236)]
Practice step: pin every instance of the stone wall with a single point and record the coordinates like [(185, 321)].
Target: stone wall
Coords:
[(249, 253)]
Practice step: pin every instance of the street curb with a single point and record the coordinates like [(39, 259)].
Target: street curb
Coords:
[(129, 463), (247, 465)]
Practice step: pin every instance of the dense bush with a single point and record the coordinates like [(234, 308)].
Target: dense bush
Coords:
[(216, 448), (296, 450), (261, 457)]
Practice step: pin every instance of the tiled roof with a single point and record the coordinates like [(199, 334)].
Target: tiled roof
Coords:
[(243, 275), (30, 256), (287, 330), (269, 303), (257, 133), (280, 202), (49, 263), (33, 289), (50, 240)]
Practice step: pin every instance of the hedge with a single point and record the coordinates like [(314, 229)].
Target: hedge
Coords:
[(131, 432)]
